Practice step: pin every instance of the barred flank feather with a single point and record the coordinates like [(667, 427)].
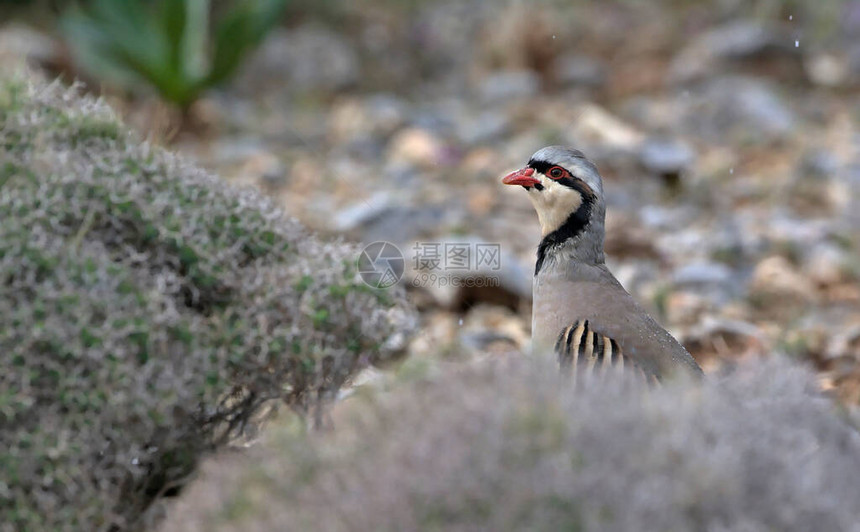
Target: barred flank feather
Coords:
[(579, 346)]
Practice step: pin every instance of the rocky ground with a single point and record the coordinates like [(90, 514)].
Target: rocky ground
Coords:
[(727, 137)]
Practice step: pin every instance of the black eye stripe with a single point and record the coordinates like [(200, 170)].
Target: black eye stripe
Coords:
[(540, 166), (569, 180), (544, 167)]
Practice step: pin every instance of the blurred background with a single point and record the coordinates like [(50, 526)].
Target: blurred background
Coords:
[(726, 132)]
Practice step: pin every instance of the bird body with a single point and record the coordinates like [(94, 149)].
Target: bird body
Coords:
[(568, 293), (580, 310)]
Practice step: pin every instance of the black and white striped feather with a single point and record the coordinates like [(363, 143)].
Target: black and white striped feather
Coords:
[(582, 349)]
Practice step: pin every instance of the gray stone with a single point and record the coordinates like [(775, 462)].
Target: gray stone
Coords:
[(399, 223), (486, 127), (362, 212), (579, 71), (703, 273), (666, 156), (817, 163), (481, 340), (784, 227), (510, 85), (742, 41), (401, 175), (739, 106), (745, 38), (666, 218), (852, 63), (825, 263), (306, 58), (441, 117), (758, 105), (850, 176), (365, 120), (387, 111), (24, 47), (234, 150)]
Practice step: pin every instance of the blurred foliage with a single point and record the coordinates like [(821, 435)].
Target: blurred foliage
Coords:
[(150, 312), (168, 44), (507, 446)]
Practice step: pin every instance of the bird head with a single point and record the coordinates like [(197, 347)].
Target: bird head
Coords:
[(564, 187)]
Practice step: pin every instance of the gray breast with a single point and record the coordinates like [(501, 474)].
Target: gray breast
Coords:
[(563, 299)]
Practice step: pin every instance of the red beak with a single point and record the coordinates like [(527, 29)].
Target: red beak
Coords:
[(522, 177)]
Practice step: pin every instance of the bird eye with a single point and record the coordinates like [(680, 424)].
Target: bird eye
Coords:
[(555, 172)]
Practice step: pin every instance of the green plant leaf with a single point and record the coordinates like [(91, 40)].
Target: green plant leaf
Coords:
[(174, 19), (165, 43), (241, 30)]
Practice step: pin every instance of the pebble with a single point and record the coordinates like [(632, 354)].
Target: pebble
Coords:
[(356, 119), (597, 125), (737, 43), (741, 107), (23, 47), (776, 277), (487, 127), (577, 70), (703, 273), (503, 87), (826, 264), (307, 58), (666, 157), (362, 211), (827, 70), (418, 147)]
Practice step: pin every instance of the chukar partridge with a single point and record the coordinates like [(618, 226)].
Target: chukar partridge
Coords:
[(580, 310)]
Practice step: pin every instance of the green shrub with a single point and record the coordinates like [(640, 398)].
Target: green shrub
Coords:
[(511, 446), (166, 43), (147, 311)]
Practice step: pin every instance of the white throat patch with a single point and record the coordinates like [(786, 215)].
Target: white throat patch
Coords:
[(554, 204)]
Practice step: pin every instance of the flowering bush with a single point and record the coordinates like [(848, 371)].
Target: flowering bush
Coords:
[(147, 311), (514, 447)]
